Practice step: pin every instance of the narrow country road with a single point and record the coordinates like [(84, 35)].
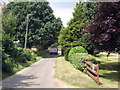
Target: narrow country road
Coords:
[(38, 75)]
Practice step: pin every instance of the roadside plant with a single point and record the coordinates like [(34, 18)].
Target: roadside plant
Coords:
[(77, 49), (78, 60)]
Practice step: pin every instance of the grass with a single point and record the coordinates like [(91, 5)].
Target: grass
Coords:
[(66, 72), (108, 71), (19, 67)]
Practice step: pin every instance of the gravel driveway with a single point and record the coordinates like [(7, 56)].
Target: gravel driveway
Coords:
[(38, 75)]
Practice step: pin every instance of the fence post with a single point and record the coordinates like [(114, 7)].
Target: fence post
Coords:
[(94, 69), (97, 69)]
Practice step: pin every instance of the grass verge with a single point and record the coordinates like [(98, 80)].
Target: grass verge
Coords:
[(19, 67), (66, 72)]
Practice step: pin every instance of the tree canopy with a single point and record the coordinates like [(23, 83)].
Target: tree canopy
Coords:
[(43, 26), (105, 28), (75, 33)]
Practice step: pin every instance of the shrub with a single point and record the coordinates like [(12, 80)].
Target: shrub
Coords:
[(7, 63), (66, 52), (78, 60), (22, 55), (17, 55), (78, 49)]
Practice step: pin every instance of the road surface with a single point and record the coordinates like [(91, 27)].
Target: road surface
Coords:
[(38, 75)]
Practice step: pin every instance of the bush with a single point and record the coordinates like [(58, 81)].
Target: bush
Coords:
[(78, 49), (22, 55), (7, 63), (78, 60), (18, 55), (66, 52)]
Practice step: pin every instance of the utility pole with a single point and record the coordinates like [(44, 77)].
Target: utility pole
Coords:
[(26, 31)]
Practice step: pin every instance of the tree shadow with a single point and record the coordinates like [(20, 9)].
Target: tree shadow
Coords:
[(110, 66), (114, 69), (114, 76), (19, 81)]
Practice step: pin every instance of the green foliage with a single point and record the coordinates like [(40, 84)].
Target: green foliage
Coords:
[(66, 45), (18, 55), (7, 41), (54, 44), (78, 60), (8, 31), (105, 28), (12, 55), (75, 34), (7, 63), (9, 23), (78, 49), (22, 55), (43, 26), (66, 53)]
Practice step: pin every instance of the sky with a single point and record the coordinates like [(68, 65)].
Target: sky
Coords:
[(61, 8)]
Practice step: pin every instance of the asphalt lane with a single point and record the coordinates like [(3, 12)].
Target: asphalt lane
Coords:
[(38, 75)]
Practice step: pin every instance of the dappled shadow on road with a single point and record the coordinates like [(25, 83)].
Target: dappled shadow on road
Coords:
[(19, 81), (113, 71)]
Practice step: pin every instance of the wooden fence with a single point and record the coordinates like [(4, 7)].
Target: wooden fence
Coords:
[(93, 71)]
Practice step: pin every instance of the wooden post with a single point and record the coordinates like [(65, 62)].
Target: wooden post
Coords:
[(93, 72), (97, 68)]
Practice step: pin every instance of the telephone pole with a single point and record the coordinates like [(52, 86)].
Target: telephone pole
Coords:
[(27, 18)]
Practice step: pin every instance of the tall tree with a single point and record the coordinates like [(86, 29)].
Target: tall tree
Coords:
[(76, 32), (43, 26), (8, 37), (105, 28)]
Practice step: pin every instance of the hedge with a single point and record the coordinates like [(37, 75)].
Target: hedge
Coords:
[(78, 49), (78, 60)]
